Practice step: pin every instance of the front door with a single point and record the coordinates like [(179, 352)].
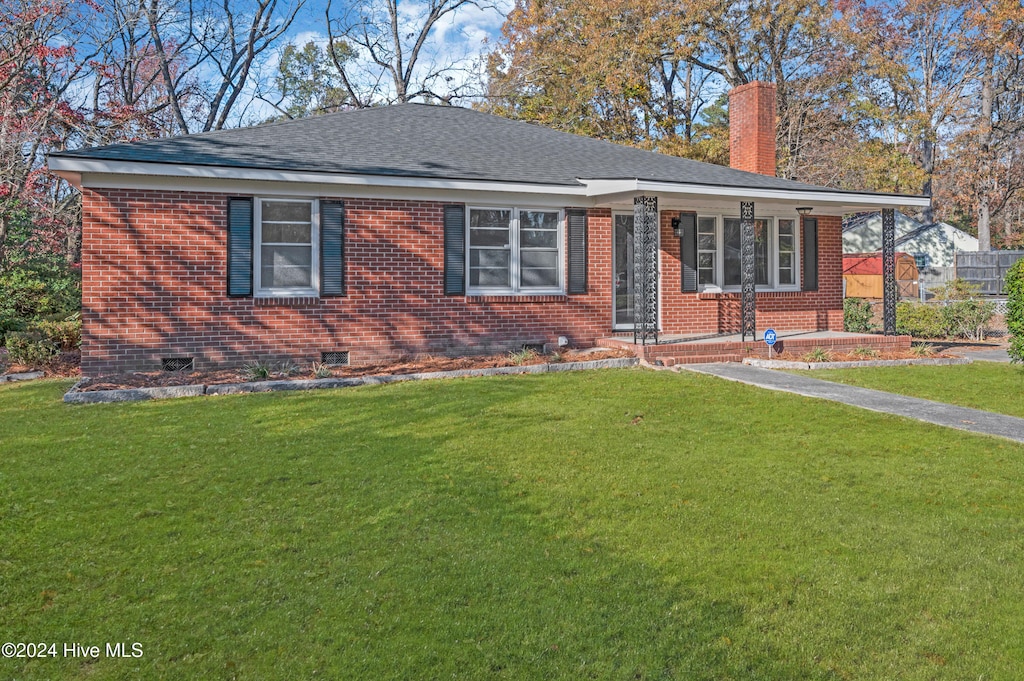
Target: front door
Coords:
[(623, 269)]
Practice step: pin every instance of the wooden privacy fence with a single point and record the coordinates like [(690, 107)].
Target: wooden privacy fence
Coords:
[(986, 269)]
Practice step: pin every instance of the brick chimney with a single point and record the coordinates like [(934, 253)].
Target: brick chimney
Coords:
[(752, 128)]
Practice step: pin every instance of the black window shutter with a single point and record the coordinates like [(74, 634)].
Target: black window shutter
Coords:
[(576, 224), (454, 250), (332, 248), (239, 246), (810, 253), (688, 251)]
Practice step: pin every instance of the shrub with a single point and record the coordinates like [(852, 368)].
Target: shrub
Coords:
[(922, 350), (864, 353), (857, 315), (919, 320), (521, 357), (967, 318), (322, 370), (1015, 310), (66, 334), (33, 291), (30, 349)]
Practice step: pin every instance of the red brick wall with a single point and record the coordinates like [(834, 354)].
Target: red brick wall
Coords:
[(154, 285), (752, 128), (781, 310)]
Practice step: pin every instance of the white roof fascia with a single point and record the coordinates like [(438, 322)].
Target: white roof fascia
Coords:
[(854, 201), (68, 167)]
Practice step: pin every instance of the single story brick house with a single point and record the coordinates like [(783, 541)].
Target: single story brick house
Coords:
[(412, 229)]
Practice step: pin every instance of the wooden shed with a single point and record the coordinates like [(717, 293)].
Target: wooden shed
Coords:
[(862, 275)]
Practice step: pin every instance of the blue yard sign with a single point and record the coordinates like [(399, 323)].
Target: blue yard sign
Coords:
[(769, 338)]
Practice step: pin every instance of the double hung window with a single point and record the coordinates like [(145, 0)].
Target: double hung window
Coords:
[(776, 252), (513, 250), (287, 247)]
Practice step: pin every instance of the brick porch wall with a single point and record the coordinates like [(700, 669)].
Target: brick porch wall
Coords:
[(154, 285), (782, 310)]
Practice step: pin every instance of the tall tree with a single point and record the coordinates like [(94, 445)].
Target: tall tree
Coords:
[(218, 42), (392, 59), (45, 52)]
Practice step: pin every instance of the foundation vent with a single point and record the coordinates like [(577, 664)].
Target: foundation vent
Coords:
[(177, 363), (335, 359)]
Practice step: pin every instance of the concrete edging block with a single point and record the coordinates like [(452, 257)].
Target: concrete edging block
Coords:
[(132, 394), (23, 376)]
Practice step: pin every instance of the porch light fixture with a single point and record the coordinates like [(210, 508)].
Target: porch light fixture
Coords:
[(676, 231), (804, 210)]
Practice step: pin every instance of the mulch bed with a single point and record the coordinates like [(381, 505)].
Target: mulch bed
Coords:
[(160, 379), (64, 365)]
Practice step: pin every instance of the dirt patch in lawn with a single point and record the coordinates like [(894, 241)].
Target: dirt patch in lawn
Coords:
[(277, 372)]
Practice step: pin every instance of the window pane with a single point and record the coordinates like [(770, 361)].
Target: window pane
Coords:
[(535, 219), (287, 211), (785, 243), (488, 277), (786, 227), (706, 260), (540, 259), (284, 232), (785, 259), (482, 257), (706, 225), (706, 242), (488, 237), (731, 242), (535, 238), (785, 276), (536, 277), (286, 266), (490, 218)]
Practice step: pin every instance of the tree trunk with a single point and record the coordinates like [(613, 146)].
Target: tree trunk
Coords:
[(928, 166), (984, 217)]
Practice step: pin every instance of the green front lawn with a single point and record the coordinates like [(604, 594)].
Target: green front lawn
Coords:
[(616, 525), (991, 386)]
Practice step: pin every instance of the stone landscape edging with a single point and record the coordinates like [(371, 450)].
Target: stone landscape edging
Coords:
[(783, 364), (23, 376), (74, 396)]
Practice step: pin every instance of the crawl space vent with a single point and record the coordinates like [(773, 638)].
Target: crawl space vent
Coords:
[(178, 363), (335, 359)]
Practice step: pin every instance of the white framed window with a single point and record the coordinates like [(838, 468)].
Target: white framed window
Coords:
[(707, 251), (286, 254), (776, 252), (514, 250)]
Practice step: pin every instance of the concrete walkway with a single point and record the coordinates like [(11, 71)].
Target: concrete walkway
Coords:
[(974, 420)]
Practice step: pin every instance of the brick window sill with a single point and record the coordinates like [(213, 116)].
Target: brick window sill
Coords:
[(735, 295), (556, 298), (297, 301)]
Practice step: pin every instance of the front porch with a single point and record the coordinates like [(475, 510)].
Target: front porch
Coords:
[(672, 349)]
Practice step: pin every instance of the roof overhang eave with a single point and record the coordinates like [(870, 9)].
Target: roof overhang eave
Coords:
[(834, 199), (74, 169)]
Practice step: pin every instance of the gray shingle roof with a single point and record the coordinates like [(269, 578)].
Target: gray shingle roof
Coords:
[(438, 142)]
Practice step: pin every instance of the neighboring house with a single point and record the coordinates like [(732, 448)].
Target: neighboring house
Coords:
[(370, 234), (933, 246)]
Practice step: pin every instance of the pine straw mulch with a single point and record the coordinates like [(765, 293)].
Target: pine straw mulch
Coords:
[(864, 357), (159, 379), (64, 365)]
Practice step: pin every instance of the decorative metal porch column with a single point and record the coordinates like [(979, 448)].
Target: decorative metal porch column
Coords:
[(748, 272), (889, 291), (645, 270)]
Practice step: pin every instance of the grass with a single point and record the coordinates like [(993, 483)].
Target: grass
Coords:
[(992, 386), (615, 524)]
